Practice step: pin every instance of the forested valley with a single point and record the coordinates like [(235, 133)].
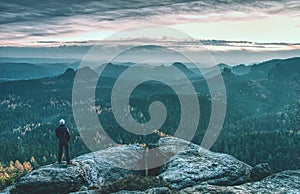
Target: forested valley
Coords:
[(262, 121)]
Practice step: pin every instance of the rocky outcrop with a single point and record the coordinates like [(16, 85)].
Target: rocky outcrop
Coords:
[(189, 170)]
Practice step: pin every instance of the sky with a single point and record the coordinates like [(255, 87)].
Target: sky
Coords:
[(233, 31)]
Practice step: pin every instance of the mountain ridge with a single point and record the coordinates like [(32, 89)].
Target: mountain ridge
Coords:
[(40, 69)]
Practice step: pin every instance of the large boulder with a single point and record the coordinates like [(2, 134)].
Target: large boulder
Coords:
[(194, 165), (54, 178)]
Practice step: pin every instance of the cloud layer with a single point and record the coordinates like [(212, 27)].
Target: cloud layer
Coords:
[(32, 20)]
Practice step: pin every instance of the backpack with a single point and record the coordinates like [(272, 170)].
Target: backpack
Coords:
[(66, 134)]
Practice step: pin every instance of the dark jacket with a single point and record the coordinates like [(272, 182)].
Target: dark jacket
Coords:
[(62, 133)]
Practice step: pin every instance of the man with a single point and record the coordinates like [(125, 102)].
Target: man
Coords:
[(63, 135)]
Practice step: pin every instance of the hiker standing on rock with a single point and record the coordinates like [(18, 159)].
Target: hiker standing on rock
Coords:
[(63, 135)]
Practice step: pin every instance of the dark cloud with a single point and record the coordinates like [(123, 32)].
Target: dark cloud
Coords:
[(236, 44), (183, 45), (15, 11)]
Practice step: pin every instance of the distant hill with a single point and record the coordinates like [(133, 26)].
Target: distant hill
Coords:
[(262, 70), (24, 71), (287, 69)]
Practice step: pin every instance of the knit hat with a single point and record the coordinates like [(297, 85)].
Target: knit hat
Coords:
[(62, 122)]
